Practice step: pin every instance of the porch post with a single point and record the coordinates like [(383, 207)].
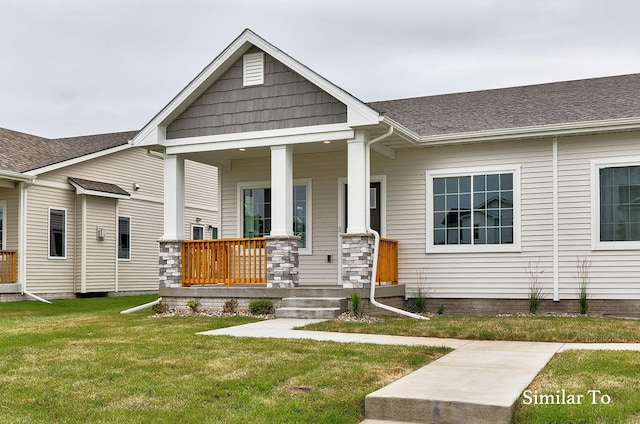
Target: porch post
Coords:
[(282, 245), (170, 252), (357, 244)]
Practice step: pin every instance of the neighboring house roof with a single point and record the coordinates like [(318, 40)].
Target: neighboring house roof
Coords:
[(597, 99), (97, 188), (20, 152)]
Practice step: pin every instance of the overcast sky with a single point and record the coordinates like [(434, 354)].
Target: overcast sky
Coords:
[(71, 67)]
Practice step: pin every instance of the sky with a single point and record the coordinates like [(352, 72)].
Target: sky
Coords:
[(77, 67)]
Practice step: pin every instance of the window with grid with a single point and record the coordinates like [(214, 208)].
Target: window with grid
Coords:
[(619, 203)]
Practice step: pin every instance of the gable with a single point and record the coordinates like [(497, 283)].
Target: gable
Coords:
[(285, 100)]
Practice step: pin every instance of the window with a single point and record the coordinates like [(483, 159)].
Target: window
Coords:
[(616, 205), (124, 237), (57, 233), (473, 210), (3, 208), (197, 232), (256, 207)]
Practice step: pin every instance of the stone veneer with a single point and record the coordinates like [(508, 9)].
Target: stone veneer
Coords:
[(282, 261), (170, 263), (357, 259)]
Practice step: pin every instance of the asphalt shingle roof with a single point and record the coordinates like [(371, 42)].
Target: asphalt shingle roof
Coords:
[(594, 99), (20, 152), (98, 186)]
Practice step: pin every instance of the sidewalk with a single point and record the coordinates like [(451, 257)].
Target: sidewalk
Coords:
[(479, 382)]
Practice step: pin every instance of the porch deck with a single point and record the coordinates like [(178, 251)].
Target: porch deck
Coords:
[(8, 266)]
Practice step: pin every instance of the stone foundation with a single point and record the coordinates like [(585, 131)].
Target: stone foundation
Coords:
[(282, 261), (170, 261), (357, 259)]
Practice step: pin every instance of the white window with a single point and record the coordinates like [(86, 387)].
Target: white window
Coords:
[(197, 232), (255, 212), (473, 210), (124, 237), (615, 203), (57, 233), (253, 69), (3, 219)]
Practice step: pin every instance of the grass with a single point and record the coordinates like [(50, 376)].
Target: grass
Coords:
[(82, 361), (529, 328), (615, 374)]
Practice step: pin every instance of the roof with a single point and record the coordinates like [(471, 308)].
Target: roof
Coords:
[(20, 152), (597, 99), (97, 187)]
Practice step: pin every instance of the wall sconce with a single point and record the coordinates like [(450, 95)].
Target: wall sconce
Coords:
[(136, 186), (198, 219), (101, 233)]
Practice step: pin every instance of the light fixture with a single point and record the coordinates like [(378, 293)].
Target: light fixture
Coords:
[(136, 186), (198, 219), (326, 142), (242, 149)]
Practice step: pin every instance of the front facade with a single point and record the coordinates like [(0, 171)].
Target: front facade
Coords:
[(485, 193), (87, 223)]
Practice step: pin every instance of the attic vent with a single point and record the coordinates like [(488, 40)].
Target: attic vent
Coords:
[(253, 69)]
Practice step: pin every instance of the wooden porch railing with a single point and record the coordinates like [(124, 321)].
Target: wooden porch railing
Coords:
[(228, 261), (8, 266), (387, 262)]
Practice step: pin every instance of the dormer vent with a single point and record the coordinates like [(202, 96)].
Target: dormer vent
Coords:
[(253, 69)]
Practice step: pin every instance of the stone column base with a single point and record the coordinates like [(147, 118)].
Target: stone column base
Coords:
[(357, 259), (170, 261), (282, 261)]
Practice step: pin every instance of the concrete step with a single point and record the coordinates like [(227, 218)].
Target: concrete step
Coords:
[(478, 383), (314, 302), (308, 313)]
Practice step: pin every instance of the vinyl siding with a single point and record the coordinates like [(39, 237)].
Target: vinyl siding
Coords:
[(145, 207), (324, 170), (285, 100), (614, 274)]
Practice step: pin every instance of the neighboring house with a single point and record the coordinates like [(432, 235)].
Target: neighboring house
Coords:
[(475, 187), (83, 215)]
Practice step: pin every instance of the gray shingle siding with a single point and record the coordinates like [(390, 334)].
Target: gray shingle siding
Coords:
[(285, 100)]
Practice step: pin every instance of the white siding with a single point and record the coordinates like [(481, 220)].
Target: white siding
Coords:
[(101, 254), (614, 274)]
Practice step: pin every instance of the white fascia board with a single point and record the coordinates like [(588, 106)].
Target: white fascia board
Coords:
[(552, 130), (301, 135), (79, 159), (80, 190), (17, 176)]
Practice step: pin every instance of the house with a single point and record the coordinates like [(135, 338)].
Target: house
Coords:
[(482, 193), (82, 215)]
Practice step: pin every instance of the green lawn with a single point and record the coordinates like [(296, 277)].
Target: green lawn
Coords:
[(82, 361)]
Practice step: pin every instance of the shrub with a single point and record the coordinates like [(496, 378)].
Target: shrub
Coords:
[(193, 305), (261, 307), (440, 309), (230, 306), (160, 308), (535, 289), (583, 285), (357, 304)]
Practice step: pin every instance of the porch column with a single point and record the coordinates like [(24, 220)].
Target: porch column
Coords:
[(170, 252), (357, 245), (282, 245)]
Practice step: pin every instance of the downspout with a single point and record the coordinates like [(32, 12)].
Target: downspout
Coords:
[(374, 270), (141, 307)]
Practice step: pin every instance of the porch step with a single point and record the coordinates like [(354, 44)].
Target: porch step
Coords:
[(312, 307)]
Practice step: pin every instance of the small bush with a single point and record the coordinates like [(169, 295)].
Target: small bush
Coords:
[(357, 304), (230, 306), (420, 302), (261, 307), (583, 285), (535, 289), (193, 305), (160, 308), (440, 309)]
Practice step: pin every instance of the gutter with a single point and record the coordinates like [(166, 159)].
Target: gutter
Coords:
[(374, 270)]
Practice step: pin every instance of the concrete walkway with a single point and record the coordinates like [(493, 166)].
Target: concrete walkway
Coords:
[(479, 382)]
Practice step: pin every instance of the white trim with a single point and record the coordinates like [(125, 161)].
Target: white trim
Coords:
[(83, 245), (556, 222), (130, 238), (116, 262), (49, 232), (306, 251), (382, 179), (267, 138), (79, 159), (3, 221), (17, 176), (22, 235), (596, 165), (474, 248)]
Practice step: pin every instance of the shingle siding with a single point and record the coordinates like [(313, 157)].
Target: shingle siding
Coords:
[(285, 100)]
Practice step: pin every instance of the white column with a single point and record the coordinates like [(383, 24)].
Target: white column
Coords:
[(173, 198), (22, 235), (357, 184), (281, 191)]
